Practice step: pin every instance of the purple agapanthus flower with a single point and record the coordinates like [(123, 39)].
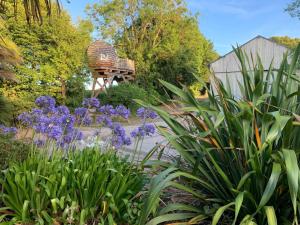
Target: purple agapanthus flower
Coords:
[(122, 111), (46, 103), (145, 113), (67, 122), (39, 142), (55, 132), (91, 103), (8, 130), (104, 120), (63, 110), (119, 138), (26, 119), (107, 110), (147, 129), (81, 112), (87, 121)]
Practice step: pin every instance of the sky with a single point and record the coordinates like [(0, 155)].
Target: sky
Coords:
[(228, 22)]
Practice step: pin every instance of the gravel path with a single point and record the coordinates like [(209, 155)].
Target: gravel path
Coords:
[(146, 146)]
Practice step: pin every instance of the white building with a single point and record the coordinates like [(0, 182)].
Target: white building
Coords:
[(229, 65)]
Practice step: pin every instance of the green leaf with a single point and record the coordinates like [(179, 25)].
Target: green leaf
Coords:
[(220, 212), (271, 216), (238, 204), (171, 217), (292, 171), (269, 190)]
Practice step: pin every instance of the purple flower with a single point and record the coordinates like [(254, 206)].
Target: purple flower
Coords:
[(81, 112), (122, 111), (63, 110), (55, 132), (91, 103), (105, 120), (119, 136), (26, 119), (77, 134), (107, 110), (67, 122), (142, 131), (145, 113), (8, 130), (46, 103), (39, 142), (87, 121)]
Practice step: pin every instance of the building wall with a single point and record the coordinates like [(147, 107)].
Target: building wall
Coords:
[(229, 66)]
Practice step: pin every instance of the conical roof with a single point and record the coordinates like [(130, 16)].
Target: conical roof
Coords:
[(101, 54)]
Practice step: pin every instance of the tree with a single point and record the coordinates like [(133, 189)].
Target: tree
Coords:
[(289, 42), (162, 36), (53, 54), (294, 8), (33, 9), (9, 55)]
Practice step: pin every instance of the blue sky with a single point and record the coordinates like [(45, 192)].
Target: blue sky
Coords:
[(227, 22)]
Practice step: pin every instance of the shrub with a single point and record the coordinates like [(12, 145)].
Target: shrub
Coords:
[(241, 157), (12, 151), (87, 187), (125, 93), (5, 111)]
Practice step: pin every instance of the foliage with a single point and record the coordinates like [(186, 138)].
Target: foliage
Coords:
[(9, 54), (125, 93), (83, 187), (287, 41), (5, 111), (294, 8), (240, 157), (162, 36), (53, 53), (32, 8), (11, 151)]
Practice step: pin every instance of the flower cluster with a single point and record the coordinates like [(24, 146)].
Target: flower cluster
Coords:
[(145, 113), (56, 123), (91, 103), (146, 129), (119, 136), (51, 123), (8, 130)]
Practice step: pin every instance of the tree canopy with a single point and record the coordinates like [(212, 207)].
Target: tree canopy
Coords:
[(53, 55), (289, 42), (294, 8), (162, 36)]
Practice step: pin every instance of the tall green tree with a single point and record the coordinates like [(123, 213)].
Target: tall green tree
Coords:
[(294, 8), (289, 42), (53, 55), (162, 36)]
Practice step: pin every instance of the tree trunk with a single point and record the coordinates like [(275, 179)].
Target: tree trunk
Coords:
[(63, 90)]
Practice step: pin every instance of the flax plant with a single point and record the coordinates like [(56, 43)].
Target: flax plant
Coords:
[(240, 157)]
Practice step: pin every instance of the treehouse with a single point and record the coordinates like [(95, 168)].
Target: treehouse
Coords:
[(105, 64)]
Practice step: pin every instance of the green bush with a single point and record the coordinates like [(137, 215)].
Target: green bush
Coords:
[(5, 110), (12, 151), (241, 156), (87, 187), (125, 93)]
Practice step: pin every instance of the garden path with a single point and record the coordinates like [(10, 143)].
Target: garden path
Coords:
[(146, 146)]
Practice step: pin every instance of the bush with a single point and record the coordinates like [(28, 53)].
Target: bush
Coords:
[(12, 151), (125, 93), (241, 157), (5, 111), (87, 187)]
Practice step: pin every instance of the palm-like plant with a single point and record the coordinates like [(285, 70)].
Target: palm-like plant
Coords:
[(240, 157), (33, 8)]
